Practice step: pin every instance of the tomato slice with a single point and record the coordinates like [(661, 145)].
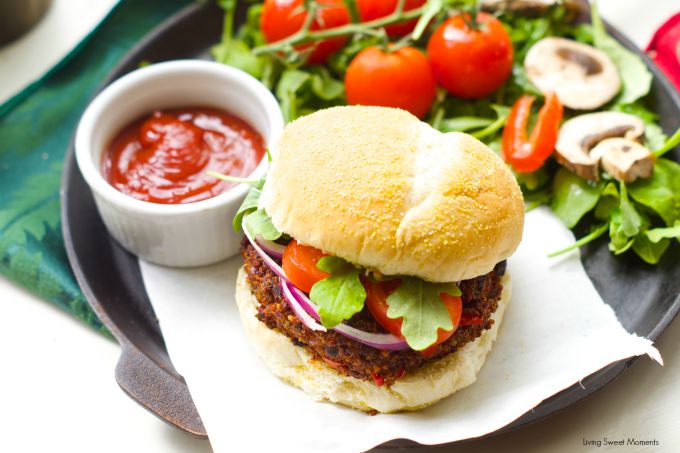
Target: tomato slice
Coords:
[(376, 301), (299, 264)]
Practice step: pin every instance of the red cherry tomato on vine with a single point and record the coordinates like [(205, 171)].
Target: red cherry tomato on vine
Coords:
[(299, 264), (376, 301), (401, 79), (471, 62), (375, 9), (282, 18)]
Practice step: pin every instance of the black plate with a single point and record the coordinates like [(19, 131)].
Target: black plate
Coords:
[(645, 298)]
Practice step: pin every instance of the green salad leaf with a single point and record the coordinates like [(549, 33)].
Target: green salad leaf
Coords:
[(423, 312), (657, 234), (291, 83), (661, 192), (635, 77), (339, 296), (573, 197), (650, 252), (249, 204), (464, 123), (260, 224)]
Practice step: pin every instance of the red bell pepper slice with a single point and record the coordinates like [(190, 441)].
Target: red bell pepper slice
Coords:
[(527, 155)]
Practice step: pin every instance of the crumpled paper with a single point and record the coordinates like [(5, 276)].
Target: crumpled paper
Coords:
[(556, 331)]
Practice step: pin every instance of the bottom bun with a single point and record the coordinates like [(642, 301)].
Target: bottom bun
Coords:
[(416, 390)]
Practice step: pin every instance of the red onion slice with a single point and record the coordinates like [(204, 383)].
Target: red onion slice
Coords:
[(278, 270), (374, 340), (271, 248), (305, 309), (300, 312)]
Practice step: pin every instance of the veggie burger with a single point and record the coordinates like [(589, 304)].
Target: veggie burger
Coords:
[(375, 256)]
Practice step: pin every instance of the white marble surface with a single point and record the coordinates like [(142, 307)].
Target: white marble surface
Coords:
[(58, 393)]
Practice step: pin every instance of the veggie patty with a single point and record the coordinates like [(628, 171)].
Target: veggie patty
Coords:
[(480, 297)]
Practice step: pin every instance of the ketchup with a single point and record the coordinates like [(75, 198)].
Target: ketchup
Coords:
[(163, 158)]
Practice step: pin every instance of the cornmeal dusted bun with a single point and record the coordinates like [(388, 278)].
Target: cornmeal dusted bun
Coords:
[(422, 388), (383, 190)]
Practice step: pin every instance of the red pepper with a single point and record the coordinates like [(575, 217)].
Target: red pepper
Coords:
[(527, 155), (470, 320), (378, 379), (331, 363)]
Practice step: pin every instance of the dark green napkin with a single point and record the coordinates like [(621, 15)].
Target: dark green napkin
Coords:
[(35, 128)]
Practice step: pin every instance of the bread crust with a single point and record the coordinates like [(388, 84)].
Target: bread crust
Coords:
[(383, 190), (415, 391)]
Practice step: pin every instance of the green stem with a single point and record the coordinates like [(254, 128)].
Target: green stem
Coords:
[(599, 231), (353, 11), (669, 145), (491, 128), (304, 35), (235, 179), (228, 25)]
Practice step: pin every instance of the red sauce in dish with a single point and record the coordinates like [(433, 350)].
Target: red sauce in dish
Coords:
[(163, 158)]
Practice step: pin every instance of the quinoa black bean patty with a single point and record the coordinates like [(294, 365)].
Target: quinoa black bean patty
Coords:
[(480, 298)]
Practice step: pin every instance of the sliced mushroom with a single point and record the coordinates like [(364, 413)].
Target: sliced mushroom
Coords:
[(583, 77), (527, 7), (624, 159), (579, 135)]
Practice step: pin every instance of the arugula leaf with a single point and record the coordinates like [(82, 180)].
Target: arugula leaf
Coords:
[(237, 54), (631, 221), (650, 252), (259, 224), (534, 180), (619, 241), (340, 296), (657, 234), (609, 200), (573, 197), (661, 192), (654, 136), (249, 205), (325, 86), (291, 82), (423, 312), (635, 77)]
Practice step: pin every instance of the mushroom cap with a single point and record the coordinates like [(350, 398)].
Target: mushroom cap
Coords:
[(579, 135), (583, 77), (624, 159)]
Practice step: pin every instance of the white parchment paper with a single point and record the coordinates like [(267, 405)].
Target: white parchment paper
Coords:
[(556, 331)]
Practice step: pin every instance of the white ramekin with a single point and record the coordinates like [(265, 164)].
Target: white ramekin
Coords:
[(181, 235)]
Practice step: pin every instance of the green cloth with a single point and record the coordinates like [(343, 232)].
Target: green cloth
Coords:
[(34, 134)]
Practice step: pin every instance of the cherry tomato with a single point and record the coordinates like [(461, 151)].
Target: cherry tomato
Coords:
[(282, 18), (375, 9), (299, 264), (376, 301), (401, 79), (527, 155), (471, 62)]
